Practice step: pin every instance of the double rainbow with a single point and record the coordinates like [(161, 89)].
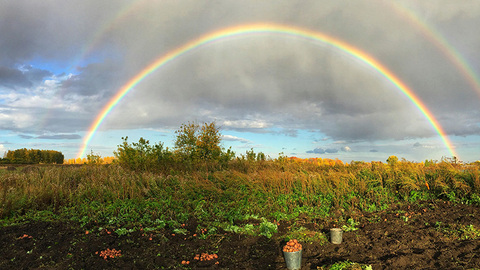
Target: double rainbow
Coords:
[(263, 29)]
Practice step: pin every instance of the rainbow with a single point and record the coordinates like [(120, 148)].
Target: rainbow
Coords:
[(112, 22), (441, 43), (262, 29), (109, 25)]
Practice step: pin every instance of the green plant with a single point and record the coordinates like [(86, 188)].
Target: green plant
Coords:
[(182, 231), (451, 196), (305, 235), (123, 231), (346, 265), (474, 199), (372, 208), (459, 231), (350, 226), (246, 229), (205, 233), (469, 232), (267, 228)]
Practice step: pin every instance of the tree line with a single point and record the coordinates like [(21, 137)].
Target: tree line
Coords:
[(32, 156)]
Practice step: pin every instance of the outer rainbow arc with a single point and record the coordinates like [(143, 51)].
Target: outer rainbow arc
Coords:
[(265, 28), (442, 44)]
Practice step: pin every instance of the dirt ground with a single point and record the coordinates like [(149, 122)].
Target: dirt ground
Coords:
[(433, 235)]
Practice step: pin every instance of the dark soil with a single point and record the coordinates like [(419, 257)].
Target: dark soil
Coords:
[(433, 237)]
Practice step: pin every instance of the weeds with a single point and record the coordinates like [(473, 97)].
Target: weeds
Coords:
[(458, 231)]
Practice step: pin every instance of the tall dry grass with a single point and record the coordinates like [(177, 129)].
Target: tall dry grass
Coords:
[(275, 187)]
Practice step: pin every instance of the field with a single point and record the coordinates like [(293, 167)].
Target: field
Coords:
[(400, 215)]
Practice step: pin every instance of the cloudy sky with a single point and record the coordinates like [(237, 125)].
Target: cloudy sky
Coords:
[(61, 62)]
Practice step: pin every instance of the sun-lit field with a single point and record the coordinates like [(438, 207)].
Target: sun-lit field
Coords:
[(244, 196), (276, 189)]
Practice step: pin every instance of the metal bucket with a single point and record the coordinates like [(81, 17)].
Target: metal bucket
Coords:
[(336, 235), (293, 259)]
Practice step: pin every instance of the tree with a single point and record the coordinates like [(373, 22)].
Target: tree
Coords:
[(392, 160), (208, 142), (196, 142), (34, 156), (94, 159), (186, 142)]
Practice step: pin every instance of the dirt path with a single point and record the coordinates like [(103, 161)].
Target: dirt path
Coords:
[(431, 236)]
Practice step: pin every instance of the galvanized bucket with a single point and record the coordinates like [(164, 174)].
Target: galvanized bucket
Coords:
[(293, 259), (336, 235)]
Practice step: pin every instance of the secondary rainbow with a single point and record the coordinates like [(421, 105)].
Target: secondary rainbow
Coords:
[(436, 38), (109, 25), (263, 29)]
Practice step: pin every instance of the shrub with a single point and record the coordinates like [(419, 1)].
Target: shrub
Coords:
[(142, 156)]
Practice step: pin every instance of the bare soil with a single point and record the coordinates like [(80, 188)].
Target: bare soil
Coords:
[(430, 235)]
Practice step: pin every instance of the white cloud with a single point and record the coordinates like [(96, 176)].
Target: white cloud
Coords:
[(245, 124), (235, 138)]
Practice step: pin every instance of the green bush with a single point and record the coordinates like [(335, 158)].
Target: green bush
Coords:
[(142, 156)]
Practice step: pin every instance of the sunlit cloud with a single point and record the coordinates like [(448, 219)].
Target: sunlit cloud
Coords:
[(235, 138)]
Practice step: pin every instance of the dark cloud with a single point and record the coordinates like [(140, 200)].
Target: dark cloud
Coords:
[(36, 75), (316, 151), (331, 150), (13, 78), (49, 30), (22, 78), (94, 79)]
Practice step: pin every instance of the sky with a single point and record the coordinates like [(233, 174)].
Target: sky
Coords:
[(315, 95)]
